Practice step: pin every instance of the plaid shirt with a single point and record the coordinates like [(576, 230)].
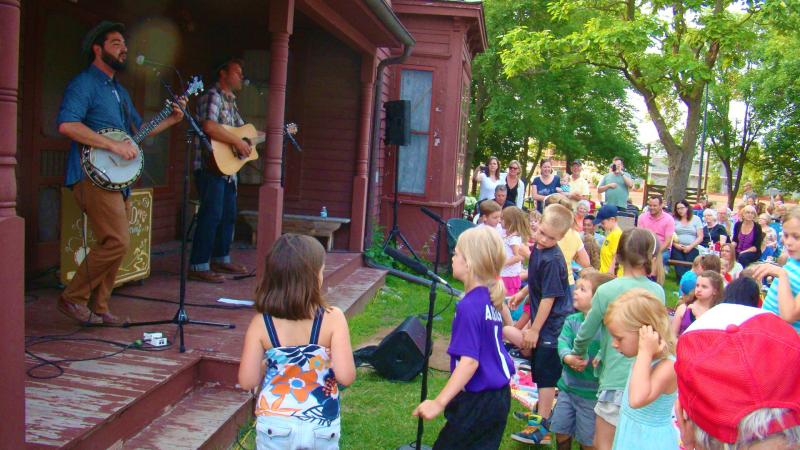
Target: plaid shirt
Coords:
[(221, 108)]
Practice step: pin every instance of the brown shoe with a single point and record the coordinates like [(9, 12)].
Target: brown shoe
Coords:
[(206, 276), (236, 269), (79, 313), (111, 320)]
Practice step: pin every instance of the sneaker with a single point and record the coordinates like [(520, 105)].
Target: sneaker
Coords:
[(530, 417), (532, 434)]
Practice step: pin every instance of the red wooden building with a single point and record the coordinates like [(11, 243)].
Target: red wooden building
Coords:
[(313, 62)]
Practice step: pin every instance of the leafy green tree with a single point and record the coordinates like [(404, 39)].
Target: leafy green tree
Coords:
[(579, 111), (665, 50)]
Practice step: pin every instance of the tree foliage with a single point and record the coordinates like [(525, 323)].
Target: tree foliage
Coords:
[(665, 50), (579, 111)]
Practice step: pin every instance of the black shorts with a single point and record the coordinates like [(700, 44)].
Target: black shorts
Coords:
[(475, 420), (546, 366)]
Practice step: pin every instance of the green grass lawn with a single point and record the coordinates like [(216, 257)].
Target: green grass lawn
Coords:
[(376, 413)]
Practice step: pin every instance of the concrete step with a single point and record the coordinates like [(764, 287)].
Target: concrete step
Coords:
[(208, 417), (355, 291)]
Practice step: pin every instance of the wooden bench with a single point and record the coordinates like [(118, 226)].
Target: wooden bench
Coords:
[(692, 194), (300, 224)]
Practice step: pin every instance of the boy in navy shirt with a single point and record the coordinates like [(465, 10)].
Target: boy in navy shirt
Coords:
[(550, 304)]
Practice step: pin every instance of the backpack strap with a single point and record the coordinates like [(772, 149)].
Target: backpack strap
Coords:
[(317, 325), (273, 335)]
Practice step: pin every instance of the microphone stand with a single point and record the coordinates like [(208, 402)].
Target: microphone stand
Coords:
[(181, 318)]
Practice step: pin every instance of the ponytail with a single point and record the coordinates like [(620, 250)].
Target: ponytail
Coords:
[(485, 256)]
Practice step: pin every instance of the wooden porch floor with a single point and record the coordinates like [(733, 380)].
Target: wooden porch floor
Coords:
[(107, 402)]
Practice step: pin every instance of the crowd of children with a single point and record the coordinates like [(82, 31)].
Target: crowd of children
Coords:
[(612, 368)]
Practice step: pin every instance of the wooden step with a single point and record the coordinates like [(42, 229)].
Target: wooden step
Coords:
[(355, 291), (208, 417), (338, 266)]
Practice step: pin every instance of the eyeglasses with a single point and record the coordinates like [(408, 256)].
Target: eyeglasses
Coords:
[(514, 168)]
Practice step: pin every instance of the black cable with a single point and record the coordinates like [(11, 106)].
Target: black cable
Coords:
[(56, 363)]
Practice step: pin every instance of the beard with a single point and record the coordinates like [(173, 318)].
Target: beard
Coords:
[(114, 63)]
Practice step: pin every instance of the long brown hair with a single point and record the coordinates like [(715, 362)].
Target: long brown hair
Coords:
[(290, 287), (638, 247)]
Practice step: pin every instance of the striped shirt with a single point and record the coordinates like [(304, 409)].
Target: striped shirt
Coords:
[(792, 268), (221, 108)]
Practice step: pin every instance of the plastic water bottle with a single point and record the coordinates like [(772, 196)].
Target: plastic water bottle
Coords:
[(324, 212)]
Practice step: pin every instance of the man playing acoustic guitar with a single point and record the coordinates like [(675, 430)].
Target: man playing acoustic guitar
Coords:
[(94, 100), (216, 218)]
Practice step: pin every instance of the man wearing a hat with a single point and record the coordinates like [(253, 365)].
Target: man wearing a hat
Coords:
[(607, 219), (578, 186), (737, 370), (94, 100)]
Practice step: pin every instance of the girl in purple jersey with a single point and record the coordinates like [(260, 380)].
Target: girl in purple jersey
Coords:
[(476, 398)]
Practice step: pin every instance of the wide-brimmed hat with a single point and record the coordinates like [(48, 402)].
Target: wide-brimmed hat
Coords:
[(100, 29)]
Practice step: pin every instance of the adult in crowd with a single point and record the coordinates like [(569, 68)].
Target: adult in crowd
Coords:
[(489, 176), (733, 366), (724, 218), (545, 184), (616, 184), (713, 230), (769, 245), (689, 232), (589, 229), (749, 194), (660, 223), (514, 184), (578, 186), (500, 197), (748, 237), (581, 210)]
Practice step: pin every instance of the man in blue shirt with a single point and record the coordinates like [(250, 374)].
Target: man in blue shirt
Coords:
[(92, 101)]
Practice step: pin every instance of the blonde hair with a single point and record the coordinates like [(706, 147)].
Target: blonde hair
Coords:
[(485, 256), (516, 222), (593, 249), (637, 308), (731, 247), (534, 215), (558, 217), (558, 199), (489, 206), (792, 213)]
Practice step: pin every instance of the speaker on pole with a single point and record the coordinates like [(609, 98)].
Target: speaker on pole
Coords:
[(400, 355), (398, 122)]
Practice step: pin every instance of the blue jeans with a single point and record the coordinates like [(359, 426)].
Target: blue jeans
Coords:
[(215, 220)]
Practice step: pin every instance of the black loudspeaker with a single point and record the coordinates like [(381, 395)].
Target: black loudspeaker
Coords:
[(398, 122), (400, 355)]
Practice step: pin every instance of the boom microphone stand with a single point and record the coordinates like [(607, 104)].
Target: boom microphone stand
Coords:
[(181, 318)]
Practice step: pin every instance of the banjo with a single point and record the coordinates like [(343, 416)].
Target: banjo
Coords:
[(112, 172)]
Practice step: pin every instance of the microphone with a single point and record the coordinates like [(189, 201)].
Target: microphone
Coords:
[(415, 265), (142, 60), (433, 215)]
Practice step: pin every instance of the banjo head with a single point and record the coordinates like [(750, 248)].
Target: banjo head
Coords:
[(107, 169)]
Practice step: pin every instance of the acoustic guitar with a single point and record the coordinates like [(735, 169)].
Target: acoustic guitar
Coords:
[(224, 158)]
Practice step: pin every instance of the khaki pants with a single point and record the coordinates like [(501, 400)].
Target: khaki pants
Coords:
[(109, 216)]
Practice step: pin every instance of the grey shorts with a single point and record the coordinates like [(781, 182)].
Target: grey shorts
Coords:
[(608, 404), (574, 416)]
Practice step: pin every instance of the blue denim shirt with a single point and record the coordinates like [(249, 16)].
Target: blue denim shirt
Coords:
[(98, 101)]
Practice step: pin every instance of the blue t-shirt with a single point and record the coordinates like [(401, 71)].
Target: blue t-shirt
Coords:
[(98, 101), (547, 277), (478, 334), (792, 268), (545, 189)]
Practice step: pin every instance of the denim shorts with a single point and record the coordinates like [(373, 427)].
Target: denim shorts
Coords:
[(282, 433), (574, 416)]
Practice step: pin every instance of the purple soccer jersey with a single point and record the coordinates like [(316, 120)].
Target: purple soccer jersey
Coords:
[(478, 334)]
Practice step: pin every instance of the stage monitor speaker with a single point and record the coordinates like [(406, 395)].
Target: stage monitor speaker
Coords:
[(400, 355), (398, 122)]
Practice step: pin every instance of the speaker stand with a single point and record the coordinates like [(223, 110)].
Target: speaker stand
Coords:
[(395, 232), (423, 395)]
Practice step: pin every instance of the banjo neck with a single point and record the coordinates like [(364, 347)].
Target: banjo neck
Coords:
[(153, 123)]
